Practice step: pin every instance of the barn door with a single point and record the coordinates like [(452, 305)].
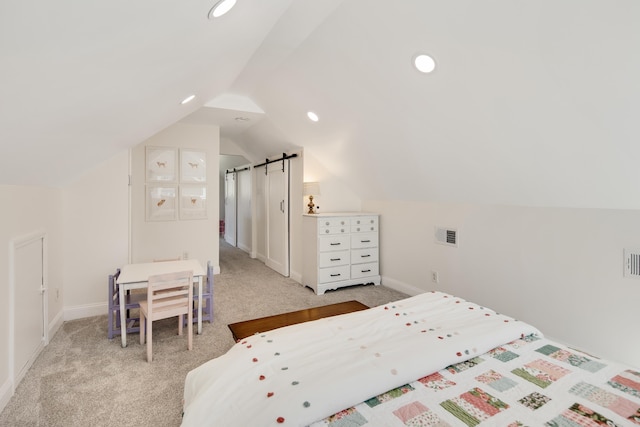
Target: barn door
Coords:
[(230, 208), (29, 304), (277, 230)]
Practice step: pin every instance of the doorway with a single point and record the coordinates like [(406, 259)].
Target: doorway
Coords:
[(235, 201)]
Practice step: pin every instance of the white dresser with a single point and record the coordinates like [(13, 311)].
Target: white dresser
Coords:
[(339, 249)]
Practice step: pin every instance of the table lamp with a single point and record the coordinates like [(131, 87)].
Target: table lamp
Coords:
[(311, 189)]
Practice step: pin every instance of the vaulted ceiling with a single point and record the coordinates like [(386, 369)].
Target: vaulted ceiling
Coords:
[(531, 103)]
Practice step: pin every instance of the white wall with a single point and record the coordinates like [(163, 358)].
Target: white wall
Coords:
[(25, 210), (244, 221), (559, 269), (167, 239), (96, 235), (296, 173), (335, 195)]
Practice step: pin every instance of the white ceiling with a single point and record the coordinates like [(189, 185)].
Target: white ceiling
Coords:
[(531, 103)]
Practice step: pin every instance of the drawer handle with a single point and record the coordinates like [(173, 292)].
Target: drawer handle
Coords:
[(336, 244), (336, 275), (365, 256), (365, 241), (366, 271), (336, 259), (326, 223)]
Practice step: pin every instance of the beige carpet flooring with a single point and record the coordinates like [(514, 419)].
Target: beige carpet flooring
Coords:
[(84, 379)]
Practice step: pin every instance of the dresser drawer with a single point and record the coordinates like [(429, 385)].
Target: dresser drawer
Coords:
[(333, 243), (333, 274), (364, 255), (330, 259), (364, 228), (343, 229), (364, 240), (333, 222), (365, 221), (364, 270)]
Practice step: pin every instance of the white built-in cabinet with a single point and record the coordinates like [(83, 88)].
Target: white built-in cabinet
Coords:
[(340, 249)]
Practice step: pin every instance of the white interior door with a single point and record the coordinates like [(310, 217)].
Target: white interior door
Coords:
[(243, 234), (277, 230), (29, 324), (230, 209)]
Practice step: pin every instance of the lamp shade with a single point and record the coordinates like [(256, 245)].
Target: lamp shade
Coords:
[(311, 189)]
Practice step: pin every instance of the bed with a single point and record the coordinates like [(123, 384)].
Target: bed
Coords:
[(428, 360)]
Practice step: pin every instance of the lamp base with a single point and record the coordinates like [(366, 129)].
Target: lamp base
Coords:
[(311, 206)]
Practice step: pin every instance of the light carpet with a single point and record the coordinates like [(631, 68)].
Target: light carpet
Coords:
[(84, 379)]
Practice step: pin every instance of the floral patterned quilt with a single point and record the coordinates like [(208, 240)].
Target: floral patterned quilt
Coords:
[(429, 360)]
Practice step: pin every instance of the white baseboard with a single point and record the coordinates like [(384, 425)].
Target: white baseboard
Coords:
[(6, 392), (55, 324), (87, 310), (401, 286)]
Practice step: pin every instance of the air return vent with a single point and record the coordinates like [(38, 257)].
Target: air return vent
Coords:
[(632, 263), (446, 236)]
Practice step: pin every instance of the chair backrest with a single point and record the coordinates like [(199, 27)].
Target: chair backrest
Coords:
[(113, 289), (169, 295)]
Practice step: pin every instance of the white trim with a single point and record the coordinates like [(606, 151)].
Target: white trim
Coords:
[(6, 392), (56, 324), (401, 286), (85, 310)]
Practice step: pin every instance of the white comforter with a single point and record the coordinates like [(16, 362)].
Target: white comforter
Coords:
[(296, 375)]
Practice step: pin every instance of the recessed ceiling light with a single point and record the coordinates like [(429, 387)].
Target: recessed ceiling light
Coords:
[(188, 99), (312, 116), (220, 8), (424, 63)]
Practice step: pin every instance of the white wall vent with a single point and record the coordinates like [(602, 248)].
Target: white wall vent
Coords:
[(446, 236), (632, 263)]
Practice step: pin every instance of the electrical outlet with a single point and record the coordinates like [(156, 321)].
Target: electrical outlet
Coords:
[(435, 278), (185, 255)]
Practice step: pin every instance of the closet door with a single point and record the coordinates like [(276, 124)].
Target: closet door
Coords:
[(277, 230), (29, 319), (230, 208)]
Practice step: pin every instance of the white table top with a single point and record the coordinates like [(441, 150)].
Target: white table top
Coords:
[(136, 273)]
